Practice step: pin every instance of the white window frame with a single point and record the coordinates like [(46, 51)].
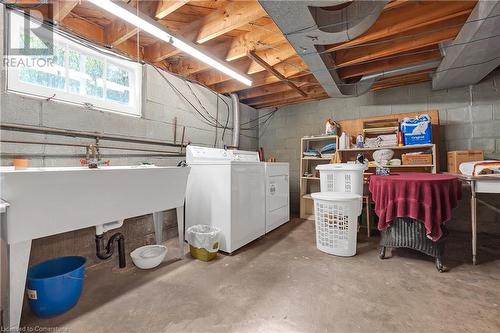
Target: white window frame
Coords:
[(14, 84)]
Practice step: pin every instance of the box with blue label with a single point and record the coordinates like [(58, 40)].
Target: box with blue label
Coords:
[(417, 131)]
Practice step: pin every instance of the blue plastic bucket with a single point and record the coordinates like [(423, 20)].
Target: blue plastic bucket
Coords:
[(54, 286)]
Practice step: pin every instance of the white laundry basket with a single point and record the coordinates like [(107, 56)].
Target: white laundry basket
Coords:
[(341, 177), (336, 216)]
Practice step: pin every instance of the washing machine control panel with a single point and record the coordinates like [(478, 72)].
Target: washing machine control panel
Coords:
[(195, 154), (244, 156)]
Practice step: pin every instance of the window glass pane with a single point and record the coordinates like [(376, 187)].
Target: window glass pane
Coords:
[(51, 75), (74, 86), (94, 70), (75, 76), (74, 60), (121, 97), (73, 73), (42, 78), (117, 75), (117, 85), (35, 42), (58, 58)]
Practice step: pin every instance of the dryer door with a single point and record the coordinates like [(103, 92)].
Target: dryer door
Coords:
[(277, 192), (277, 201)]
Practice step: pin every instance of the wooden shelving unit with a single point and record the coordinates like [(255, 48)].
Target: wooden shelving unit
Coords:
[(317, 158), (381, 124), (368, 126), (430, 145), (349, 154), (309, 185)]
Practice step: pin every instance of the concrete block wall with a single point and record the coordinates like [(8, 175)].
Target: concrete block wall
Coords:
[(161, 104), (469, 117)]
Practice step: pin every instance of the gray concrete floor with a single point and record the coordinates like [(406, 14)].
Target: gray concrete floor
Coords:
[(282, 283)]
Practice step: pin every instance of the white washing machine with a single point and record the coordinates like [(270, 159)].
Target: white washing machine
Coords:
[(277, 195), (226, 189)]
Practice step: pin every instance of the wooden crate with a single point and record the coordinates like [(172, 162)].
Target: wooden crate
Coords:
[(416, 159), (457, 157)]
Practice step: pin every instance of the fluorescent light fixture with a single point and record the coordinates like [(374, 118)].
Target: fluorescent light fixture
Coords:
[(160, 33)]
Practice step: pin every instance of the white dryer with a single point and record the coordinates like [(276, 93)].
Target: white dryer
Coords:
[(277, 195), (226, 189)]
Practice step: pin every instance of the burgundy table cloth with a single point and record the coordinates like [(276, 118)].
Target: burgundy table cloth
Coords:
[(422, 196)]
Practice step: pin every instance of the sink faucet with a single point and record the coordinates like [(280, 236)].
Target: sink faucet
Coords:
[(93, 156)]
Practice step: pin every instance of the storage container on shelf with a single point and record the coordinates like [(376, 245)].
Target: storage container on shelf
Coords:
[(417, 130), (342, 177), (336, 218)]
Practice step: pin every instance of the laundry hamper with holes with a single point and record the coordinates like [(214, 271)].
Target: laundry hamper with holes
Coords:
[(341, 177), (336, 216)]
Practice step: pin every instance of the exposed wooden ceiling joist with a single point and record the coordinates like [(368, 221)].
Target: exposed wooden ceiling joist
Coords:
[(384, 64), (287, 68), (94, 32), (210, 78), (290, 101), (220, 21), (420, 37), (235, 15), (395, 4), (271, 56), (277, 54), (313, 91), (400, 80), (188, 66), (278, 87), (62, 8), (83, 27), (259, 38), (119, 31), (166, 7), (417, 14)]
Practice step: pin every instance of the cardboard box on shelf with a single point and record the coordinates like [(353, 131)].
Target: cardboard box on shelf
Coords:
[(416, 159), (457, 157)]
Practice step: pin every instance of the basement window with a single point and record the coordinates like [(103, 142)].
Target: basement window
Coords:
[(71, 72)]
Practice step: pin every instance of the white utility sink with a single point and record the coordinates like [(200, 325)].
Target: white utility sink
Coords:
[(48, 201)]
